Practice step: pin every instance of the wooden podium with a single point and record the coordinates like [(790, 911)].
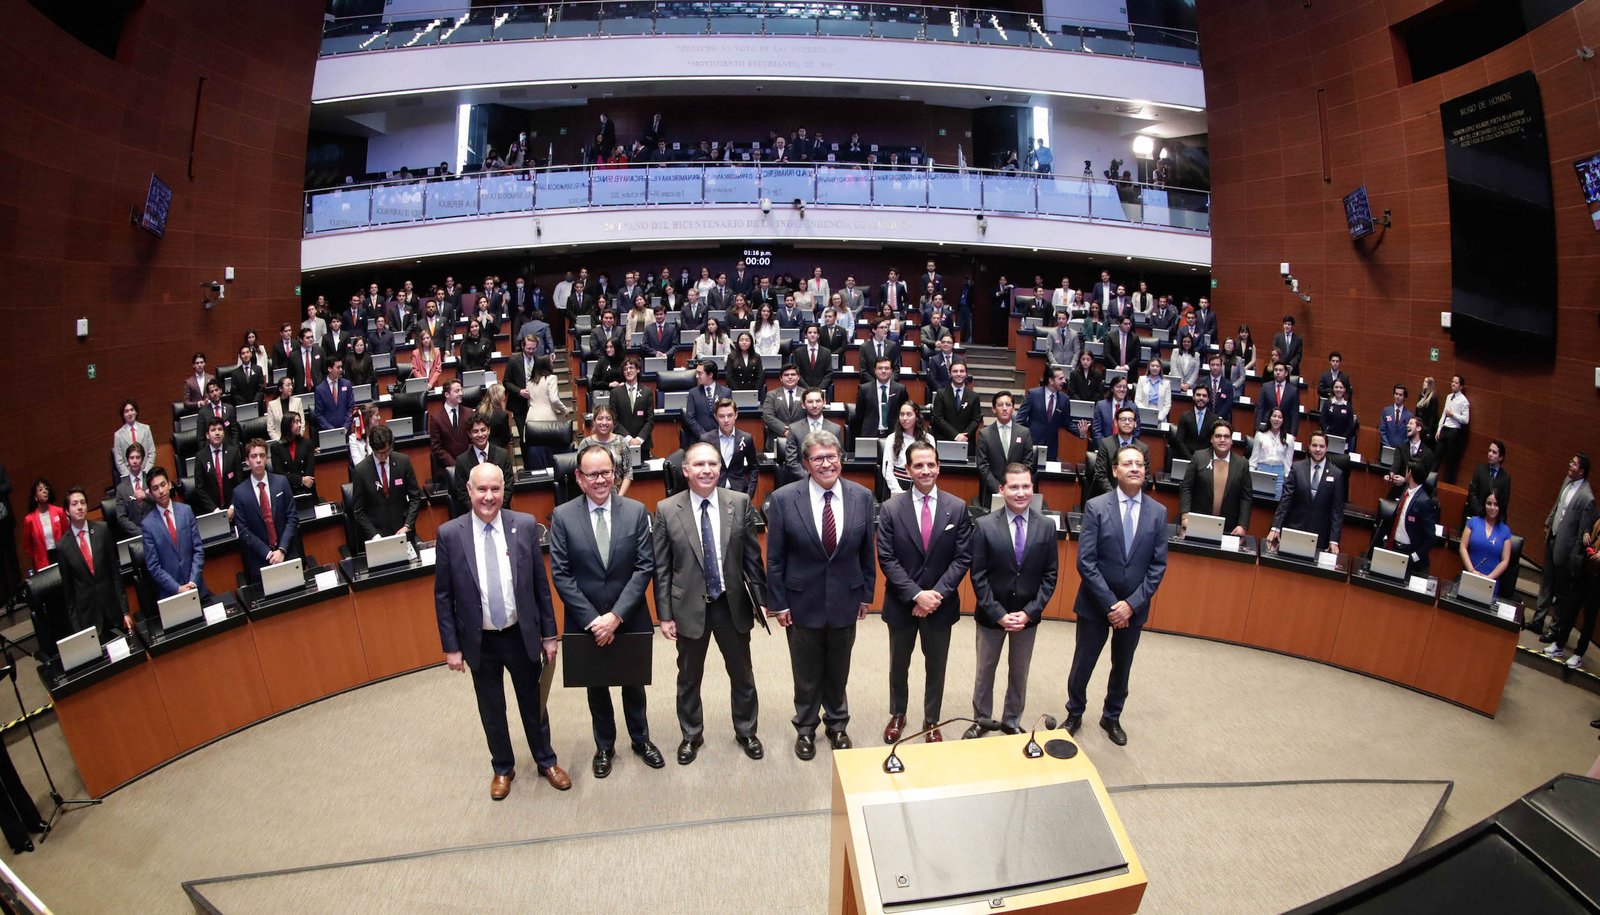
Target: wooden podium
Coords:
[(975, 826)]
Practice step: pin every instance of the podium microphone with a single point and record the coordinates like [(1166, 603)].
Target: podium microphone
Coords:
[(1032, 750), (894, 766)]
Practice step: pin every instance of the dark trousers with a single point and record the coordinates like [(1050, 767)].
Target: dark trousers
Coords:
[(1562, 586), (820, 662), (1581, 599), (735, 648), (17, 810), (1092, 633), (1452, 442), (935, 652), (604, 717), (502, 651)]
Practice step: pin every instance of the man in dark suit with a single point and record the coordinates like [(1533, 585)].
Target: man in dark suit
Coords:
[(1202, 492), (1122, 348), (447, 433), (1125, 435), (216, 470), (307, 365), (707, 565), (854, 297), (90, 578), (1279, 394), (810, 421), (1220, 385), (661, 335), (699, 412), (294, 455), (1334, 373), (1291, 346), (194, 386), (1104, 421), (936, 367), (831, 334), (1192, 432), (496, 617), (385, 497), (607, 329), (814, 360), (879, 346), (481, 451), (924, 549), (742, 281), (539, 329), (892, 294), (246, 382), (519, 369), (336, 342), (634, 405), (132, 497), (335, 398), (782, 406), (878, 403), (173, 553), (601, 559), (1313, 497), (1205, 322), (1410, 531), (214, 407), (820, 575), (694, 310), (931, 332), (1104, 291), (1412, 450), (381, 339), (720, 298), (791, 316), (957, 410), (1122, 557), (284, 351), (264, 515), (1044, 410), (1014, 571), (741, 461), (1001, 444), (931, 277), (1490, 477), (764, 294)]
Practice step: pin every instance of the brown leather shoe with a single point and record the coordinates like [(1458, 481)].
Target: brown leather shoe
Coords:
[(933, 736), (500, 786), (557, 777), (895, 727)]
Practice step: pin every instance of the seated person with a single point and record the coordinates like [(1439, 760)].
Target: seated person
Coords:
[(385, 496)]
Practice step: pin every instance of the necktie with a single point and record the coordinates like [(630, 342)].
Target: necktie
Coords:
[(1219, 485), (958, 398), (266, 515), (83, 544), (172, 529), (830, 532), (789, 400), (452, 417), (1316, 479), (813, 355), (883, 406), (491, 580), (1018, 541), (1399, 522), (383, 477), (927, 521), (602, 535), (138, 489), (481, 456), (1280, 393), (216, 465), (1049, 406), (305, 357), (1127, 526), (1005, 439), (709, 545)]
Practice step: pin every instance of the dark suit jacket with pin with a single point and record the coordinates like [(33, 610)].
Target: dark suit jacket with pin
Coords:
[(1105, 576), (457, 601), (742, 472), (96, 599), (460, 500), (380, 511), (1196, 493), (908, 569), (822, 591), (1002, 585), (1322, 514), (992, 459), (251, 526), (587, 589), (680, 582)]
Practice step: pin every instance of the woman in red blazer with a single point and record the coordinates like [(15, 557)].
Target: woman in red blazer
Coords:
[(33, 525), (426, 361)]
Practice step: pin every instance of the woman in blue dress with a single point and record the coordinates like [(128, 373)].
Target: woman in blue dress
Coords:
[(1486, 541)]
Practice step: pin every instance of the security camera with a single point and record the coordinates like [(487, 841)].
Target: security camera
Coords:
[(1283, 268), (766, 205)]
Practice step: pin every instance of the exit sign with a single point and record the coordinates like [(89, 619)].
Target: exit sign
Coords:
[(1213, 282), (297, 289), (1433, 354)]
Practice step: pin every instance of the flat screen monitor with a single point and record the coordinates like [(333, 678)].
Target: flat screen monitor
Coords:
[(157, 200), (1588, 169), (1358, 213)]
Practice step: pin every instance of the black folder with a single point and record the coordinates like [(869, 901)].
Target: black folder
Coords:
[(625, 662), (755, 607)]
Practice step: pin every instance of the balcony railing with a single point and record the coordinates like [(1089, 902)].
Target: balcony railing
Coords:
[(778, 187), (906, 22)]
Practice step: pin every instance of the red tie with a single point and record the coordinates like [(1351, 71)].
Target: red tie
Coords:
[(216, 464), (266, 515), (383, 477), (927, 522), (172, 529), (1399, 518), (83, 544)]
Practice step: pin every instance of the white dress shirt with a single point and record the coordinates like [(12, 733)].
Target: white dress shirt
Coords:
[(502, 555)]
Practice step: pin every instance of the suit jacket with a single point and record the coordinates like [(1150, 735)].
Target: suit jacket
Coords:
[(334, 404), (130, 511), (1392, 428), (699, 415), (297, 369), (1419, 518), (992, 459), (636, 416), (1103, 293), (1482, 484), (835, 338), (813, 374), (335, 349), (1205, 324), (303, 463), (246, 388), (680, 582), (207, 496), (1290, 350), (777, 414), (173, 565), (538, 330), (1105, 576), (1566, 532), (869, 357), (1104, 421), (380, 342), (33, 535), (1114, 357), (937, 371), (1425, 456), (663, 341), (1325, 383), (908, 568), (949, 421), (445, 441), (1322, 513), (460, 500), (796, 436), (194, 389), (1000, 583), (1064, 349), (252, 527), (458, 601), (742, 472), (96, 599), (854, 298), (1221, 393), (1268, 401), (928, 338), (866, 421), (900, 295), (225, 412), (720, 298), (1043, 426), (1105, 459), (1195, 493), (1191, 435), (598, 337), (741, 282), (589, 590), (822, 591), (379, 511)]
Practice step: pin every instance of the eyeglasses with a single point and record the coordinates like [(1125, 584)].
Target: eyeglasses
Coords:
[(823, 459), (597, 476)]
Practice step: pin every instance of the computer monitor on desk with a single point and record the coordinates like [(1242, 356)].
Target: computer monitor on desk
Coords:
[(746, 399), (387, 551), (1180, 469), (1337, 444), (1476, 589), (124, 550), (79, 648), (403, 426), (288, 575), (1080, 409), (1389, 564), (1299, 544), (1264, 483), (675, 400), (330, 438), (952, 452), (214, 525), (179, 609), (866, 448), (1206, 528)]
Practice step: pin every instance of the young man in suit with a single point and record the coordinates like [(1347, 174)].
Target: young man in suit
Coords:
[(216, 470), (1410, 531), (1122, 557), (264, 515), (1191, 434), (936, 367), (520, 368), (248, 380), (699, 412), (90, 576), (539, 329), (833, 335), (1334, 373), (1490, 477), (1014, 571), (294, 455), (1291, 346), (707, 565), (782, 406), (1279, 394), (173, 553), (1001, 444), (1218, 484), (878, 403), (1104, 292), (924, 550), (810, 421), (821, 574), (1313, 497), (741, 462), (133, 497), (335, 398), (1044, 410), (814, 360), (1205, 322), (496, 617), (892, 294), (601, 560), (214, 407), (934, 330), (1104, 422), (194, 387), (634, 405), (879, 346), (1392, 423), (336, 342), (481, 451), (1065, 343), (1125, 435), (307, 366), (661, 335), (956, 409), (1221, 387), (385, 497), (1412, 450), (447, 433)]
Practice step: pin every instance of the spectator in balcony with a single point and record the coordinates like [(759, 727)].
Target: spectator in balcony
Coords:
[(1043, 158), (855, 150), (779, 151), (768, 333), (606, 131), (493, 161), (656, 131), (517, 152), (660, 153), (702, 153), (619, 156)]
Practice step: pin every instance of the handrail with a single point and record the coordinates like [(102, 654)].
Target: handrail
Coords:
[(901, 21), (781, 186)]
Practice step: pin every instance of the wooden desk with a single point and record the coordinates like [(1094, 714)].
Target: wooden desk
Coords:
[(210, 678), (399, 630), (1207, 593), (309, 643), (113, 719), (1296, 606), (1469, 654), (1384, 630)]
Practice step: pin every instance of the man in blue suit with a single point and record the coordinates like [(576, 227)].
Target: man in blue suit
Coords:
[(335, 398), (1220, 385), (1392, 422), (1044, 410), (1122, 557), (537, 328), (820, 579), (173, 554), (700, 408), (496, 618), (601, 561), (1104, 422), (266, 538)]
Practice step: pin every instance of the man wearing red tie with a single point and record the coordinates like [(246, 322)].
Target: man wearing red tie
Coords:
[(1411, 529), (173, 553), (447, 432), (264, 515), (216, 470), (89, 574)]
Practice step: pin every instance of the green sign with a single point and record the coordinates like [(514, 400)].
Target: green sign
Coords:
[(1433, 354), (1213, 282), (91, 371), (297, 289)]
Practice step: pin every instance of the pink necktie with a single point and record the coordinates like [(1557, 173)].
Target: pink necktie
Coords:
[(927, 523)]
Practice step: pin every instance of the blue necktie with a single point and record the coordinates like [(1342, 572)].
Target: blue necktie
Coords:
[(709, 545), (491, 580), (1018, 542), (1127, 527)]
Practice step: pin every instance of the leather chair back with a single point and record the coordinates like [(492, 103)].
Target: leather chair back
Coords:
[(566, 476), (352, 534)]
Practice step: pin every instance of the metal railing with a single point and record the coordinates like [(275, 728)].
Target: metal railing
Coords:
[(907, 22), (782, 187)]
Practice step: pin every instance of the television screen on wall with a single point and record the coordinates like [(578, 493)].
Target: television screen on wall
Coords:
[(156, 202), (1358, 213), (1589, 180)]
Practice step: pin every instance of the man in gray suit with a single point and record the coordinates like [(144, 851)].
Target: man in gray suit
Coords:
[(1014, 566), (706, 554), (820, 580), (812, 421), (1122, 557), (1566, 533), (601, 559), (782, 406)]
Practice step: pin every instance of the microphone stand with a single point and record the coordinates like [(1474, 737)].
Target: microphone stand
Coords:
[(894, 766), (63, 804)]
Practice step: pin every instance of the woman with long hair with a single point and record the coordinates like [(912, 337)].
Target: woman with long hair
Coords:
[(286, 402), (1486, 540), (908, 428), (640, 316), (358, 362), (362, 422), (1428, 410), (1186, 363), (1095, 326), (426, 361), (602, 432), (477, 349), (606, 373), (711, 342), (1245, 345), (768, 335), (739, 316), (544, 406), (254, 342), (1272, 449), (493, 409), (746, 371)]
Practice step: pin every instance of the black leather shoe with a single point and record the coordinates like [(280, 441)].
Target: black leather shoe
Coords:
[(647, 751), (1114, 730), (805, 746), (751, 746), (840, 740), (602, 762), (1072, 724), (27, 845), (41, 825), (1546, 638), (973, 733), (1595, 723), (1010, 729), (689, 749)]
